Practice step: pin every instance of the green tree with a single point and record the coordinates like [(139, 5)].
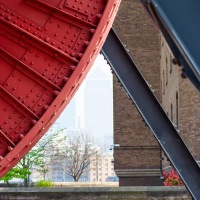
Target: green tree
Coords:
[(33, 160), (37, 159), (16, 172)]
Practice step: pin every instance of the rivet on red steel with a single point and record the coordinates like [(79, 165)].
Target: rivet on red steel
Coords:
[(17, 156), (9, 18), (86, 43), (29, 144), (92, 30), (21, 136), (34, 122), (46, 107), (56, 93), (73, 54), (99, 15), (47, 39), (80, 55), (10, 148), (72, 67), (66, 79)]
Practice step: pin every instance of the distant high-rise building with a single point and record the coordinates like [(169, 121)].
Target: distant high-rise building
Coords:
[(68, 118), (102, 168), (98, 98)]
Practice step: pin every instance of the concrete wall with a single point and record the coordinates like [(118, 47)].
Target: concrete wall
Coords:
[(123, 193)]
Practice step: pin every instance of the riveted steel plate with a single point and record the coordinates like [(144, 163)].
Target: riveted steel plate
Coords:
[(46, 49)]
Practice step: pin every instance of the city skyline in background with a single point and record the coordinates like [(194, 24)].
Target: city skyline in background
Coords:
[(91, 109)]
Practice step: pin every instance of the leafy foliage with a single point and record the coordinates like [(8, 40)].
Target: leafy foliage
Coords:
[(43, 183), (36, 158), (172, 179), (16, 172)]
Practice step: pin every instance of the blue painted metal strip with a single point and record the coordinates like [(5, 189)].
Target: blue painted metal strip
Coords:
[(179, 20)]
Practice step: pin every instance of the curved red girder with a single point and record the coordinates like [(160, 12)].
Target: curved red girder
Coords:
[(46, 49)]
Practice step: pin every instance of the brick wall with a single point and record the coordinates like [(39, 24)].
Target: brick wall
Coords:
[(189, 114), (139, 154), (170, 75), (181, 101)]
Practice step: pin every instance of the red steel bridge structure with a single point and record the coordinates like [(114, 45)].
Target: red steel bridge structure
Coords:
[(47, 48)]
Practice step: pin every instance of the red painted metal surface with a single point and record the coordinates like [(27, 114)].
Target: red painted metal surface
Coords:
[(46, 49)]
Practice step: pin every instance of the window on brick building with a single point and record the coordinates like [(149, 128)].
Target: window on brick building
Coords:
[(170, 70), (163, 42), (163, 82), (171, 112)]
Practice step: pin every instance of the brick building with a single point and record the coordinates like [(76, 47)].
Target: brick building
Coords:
[(181, 101), (139, 159)]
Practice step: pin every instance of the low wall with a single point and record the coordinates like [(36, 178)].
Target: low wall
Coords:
[(86, 184), (120, 193)]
